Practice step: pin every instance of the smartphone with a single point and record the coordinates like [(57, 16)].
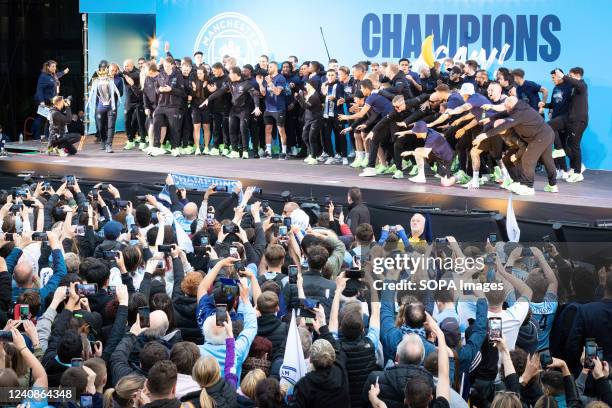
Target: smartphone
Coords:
[(9, 237), (39, 236), (203, 240), (133, 232), (258, 190), (229, 229), (6, 336), (80, 230), (122, 203), (166, 249), (229, 288), (28, 203), (103, 186), (221, 189), (86, 289), (545, 358), (600, 353), (15, 208), (233, 252), (265, 204), (110, 255), (441, 241), (220, 314), (508, 269), (287, 222), (141, 199), (526, 252), (354, 273), (24, 312), (143, 316), (337, 210), (495, 328), (292, 271), (276, 219), (282, 231), (160, 265), (210, 218), (590, 353), (70, 181), (326, 200), (492, 238), (46, 186), (76, 362), (239, 266), (112, 291)]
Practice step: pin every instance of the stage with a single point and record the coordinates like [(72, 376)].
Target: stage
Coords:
[(580, 203)]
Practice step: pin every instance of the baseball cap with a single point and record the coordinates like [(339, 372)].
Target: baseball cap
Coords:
[(467, 89), (419, 127)]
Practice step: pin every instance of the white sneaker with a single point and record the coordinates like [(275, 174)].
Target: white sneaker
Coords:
[(582, 168), (575, 178), (351, 154), (345, 161), (558, 153), (473, 184), (330, 160), (419, 178), (368, 172), (524, 190), (323, 157)]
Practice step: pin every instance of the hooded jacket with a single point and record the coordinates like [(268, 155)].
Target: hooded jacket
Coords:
[(174, 98), (392, 382), (163, 403), (185, 318), (222, 392), (273, 329)]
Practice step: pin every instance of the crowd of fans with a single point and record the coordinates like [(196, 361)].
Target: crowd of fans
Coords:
[(164, 302)]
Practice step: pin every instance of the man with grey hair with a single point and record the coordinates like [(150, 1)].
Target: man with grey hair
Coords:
[(326, 385), (408, 361), (134, 106)]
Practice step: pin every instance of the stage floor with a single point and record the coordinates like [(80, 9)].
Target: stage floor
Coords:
[(585, 201)]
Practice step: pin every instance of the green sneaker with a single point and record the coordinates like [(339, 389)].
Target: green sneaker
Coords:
[(206, 151), (391, 169), (381, 170), (189, 150), (455, 164), (175, 152), (506, 183), (551, 189), (213, 152), (364, 163), (222, 147), (143, 146), (356, 163), (233, 155), (434, 168), (167, 148), (225, 152), (129, 145), (497, 174), (413, 171), (398, 174), (406, 164), (312, 161), (245, 155)]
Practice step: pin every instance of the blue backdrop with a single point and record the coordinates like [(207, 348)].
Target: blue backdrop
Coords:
[(534, 35)]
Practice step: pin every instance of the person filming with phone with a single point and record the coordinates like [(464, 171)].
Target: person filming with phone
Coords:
[(61, 142)]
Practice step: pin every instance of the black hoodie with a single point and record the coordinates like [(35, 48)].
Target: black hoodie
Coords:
[(392, 382), (273, 329), (327, 387), (163, 403)]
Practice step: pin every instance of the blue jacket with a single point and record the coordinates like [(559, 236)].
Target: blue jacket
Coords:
[(390, 335), (46, 88), (59, 271), (479, 333)]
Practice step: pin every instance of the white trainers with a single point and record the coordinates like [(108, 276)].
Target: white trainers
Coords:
[(345, 161), (524, 190), (575, 178), (558, 153), (368, 172), (330, 160), (419, 178)]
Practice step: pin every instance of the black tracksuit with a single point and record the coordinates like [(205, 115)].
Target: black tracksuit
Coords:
[(58, 137), (330, 121), (530, 127), (399, 86), (187, 124), (134, 109), (240, 92), (150, 97), (169, 106), (219, 103), (313, 119)]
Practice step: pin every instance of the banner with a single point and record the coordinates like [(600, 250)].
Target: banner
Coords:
[(294, 364), (201, 183), (44, 111), (512, 228)]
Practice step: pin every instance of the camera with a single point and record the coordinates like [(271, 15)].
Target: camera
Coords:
[(276, 219), (221, 189), (110, 255), (39, 236), (230, 229)]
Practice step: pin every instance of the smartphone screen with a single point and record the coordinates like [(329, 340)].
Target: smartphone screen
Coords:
[(221, 314), (492, 238), (282, 230), (545, 358), (143, 315), (234, 252), (590, 352), (76, 362), (24, 312), (87, 289), (86, 401), (133, 232), (287, 222), (292, 271), (495, 328)]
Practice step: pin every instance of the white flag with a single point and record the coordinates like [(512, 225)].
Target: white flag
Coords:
[(294, 364), (512, 228)]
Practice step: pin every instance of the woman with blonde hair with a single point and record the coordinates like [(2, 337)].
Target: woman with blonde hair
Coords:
[(122, 396), (246, 393), (506, 399), (215, 393)]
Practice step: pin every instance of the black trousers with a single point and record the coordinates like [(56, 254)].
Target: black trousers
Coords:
[(239, 130), (573, 136), (292, 128), (513, 169), (539, 148), (66, 141), (310, 135), (402, 144), (106, 118), (381, 137), (186, 128), (135, 121), (220, 128), (170, 117), (333, 125), (257, 130)]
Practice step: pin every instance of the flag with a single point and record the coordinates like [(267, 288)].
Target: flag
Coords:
[(512, 228), (294, 365)]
